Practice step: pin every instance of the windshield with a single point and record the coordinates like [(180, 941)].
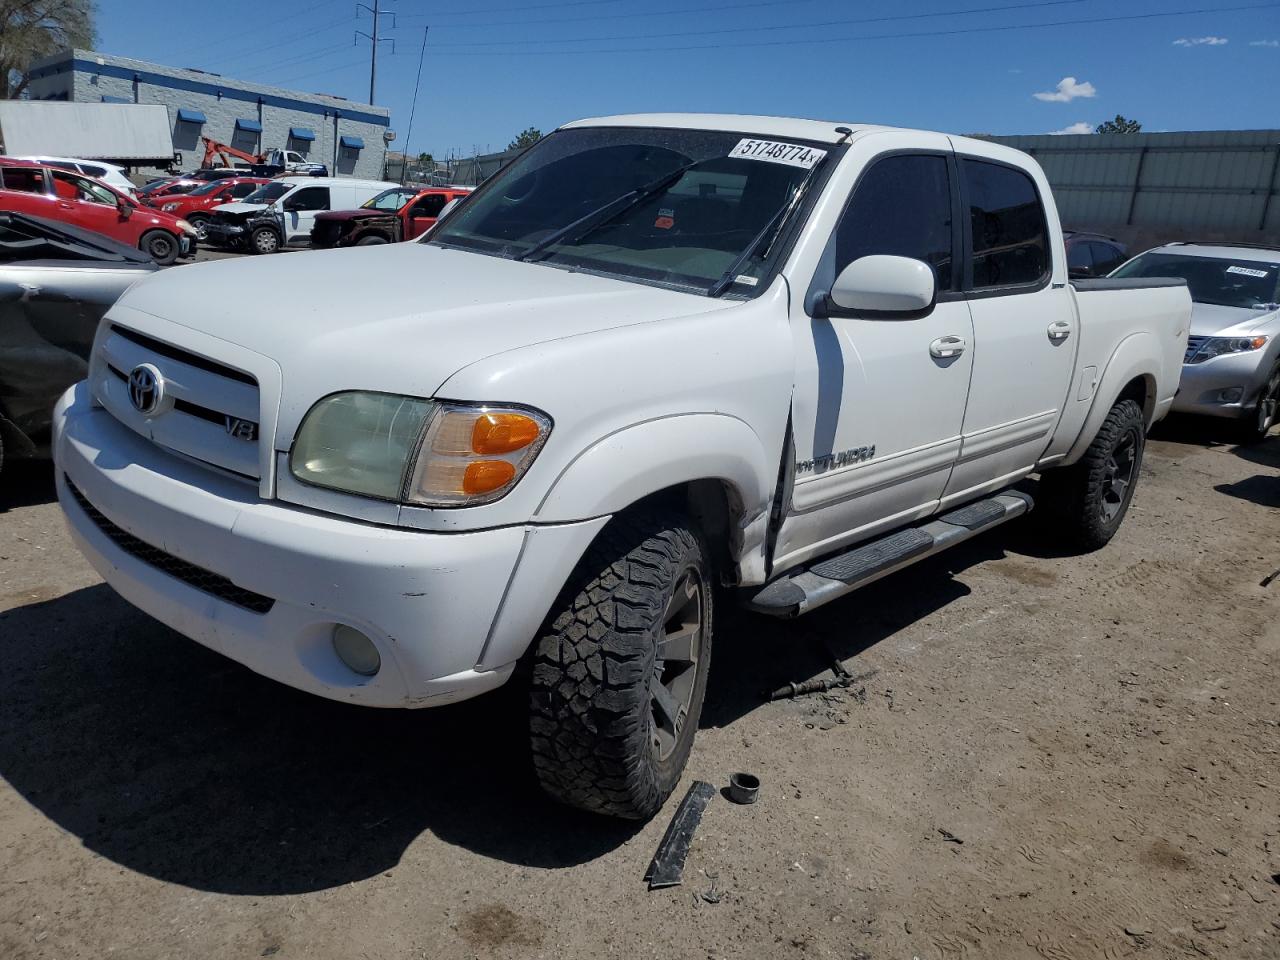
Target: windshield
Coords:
[(670, 206), (268, 193), (392, 199), (207, 188), (1218, 280)]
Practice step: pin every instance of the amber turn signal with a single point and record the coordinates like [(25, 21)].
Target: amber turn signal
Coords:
[(499, 433), (482, 476)]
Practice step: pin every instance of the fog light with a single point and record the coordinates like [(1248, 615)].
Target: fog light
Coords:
[(356, 650), (1232, 395)]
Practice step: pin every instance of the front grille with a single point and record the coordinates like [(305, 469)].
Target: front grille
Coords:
[(1193, 347), (211, 412), (203, 580), (326, 233)]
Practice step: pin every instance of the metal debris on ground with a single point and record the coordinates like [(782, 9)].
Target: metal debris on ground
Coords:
[(744, 788), (1270, 577), (949, 837), (667, 867)]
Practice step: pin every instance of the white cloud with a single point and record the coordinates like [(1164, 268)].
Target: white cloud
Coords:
[(1200, 42), (1080, 127), (1067, 90), (1264, 43)]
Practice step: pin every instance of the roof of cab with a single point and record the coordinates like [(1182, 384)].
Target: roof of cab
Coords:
[(1222, 251)]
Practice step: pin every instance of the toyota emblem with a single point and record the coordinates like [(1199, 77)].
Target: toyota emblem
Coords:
[(146, 389)]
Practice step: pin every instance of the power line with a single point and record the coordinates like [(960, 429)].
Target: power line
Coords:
[(608, 16), (788, 26), (861, 39)]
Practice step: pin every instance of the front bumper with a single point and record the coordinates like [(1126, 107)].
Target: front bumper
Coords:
[(428, 601), (218, 232), (1225, 386)]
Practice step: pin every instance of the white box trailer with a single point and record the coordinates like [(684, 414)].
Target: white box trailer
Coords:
[(129, 134)]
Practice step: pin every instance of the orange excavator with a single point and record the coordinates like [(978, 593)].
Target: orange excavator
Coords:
[(271, 163)]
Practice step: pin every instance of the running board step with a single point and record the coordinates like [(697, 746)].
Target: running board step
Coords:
[(824, 581)]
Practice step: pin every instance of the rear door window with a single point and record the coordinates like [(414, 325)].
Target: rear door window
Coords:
[(901, 207), (24, 179), (241, 190), (1010, 241)]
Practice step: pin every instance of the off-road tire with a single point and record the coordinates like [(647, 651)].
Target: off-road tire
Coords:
[(159, 246), (370, 240), (1075, 496), (1265, 415), (592, 723), (264, 240), (200, 223)]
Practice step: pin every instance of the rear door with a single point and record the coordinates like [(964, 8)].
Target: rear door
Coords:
[(300, 209), (26, 190), (1024, 324)]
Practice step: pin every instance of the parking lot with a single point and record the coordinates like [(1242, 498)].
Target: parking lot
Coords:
[(1042, 755)]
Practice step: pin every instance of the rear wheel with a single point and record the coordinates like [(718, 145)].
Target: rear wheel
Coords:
[(1087, 501), (1266, 413), (370, 240), (200, 224), (159, 246), (621, 668), (264, 240)]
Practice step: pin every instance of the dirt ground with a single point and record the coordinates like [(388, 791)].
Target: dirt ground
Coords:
[(1043, 756)]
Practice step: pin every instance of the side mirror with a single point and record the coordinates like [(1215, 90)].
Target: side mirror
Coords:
[(124, 209), (883, 284)]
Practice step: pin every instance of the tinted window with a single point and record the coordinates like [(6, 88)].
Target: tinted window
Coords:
[(430, 205), (1221, 280), (28, 180), (93, 171), (1105, 258), (309, 198), (1079, 257), (902, 206), (1010, 245), (242, 190)]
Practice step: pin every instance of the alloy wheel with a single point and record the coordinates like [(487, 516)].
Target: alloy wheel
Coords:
[(675, 668), (1117, 476)]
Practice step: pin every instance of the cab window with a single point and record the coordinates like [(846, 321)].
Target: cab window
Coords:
[(1007, 226), (901, 207)]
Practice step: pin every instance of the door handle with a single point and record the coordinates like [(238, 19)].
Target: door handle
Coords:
[(945, 348), (1059, 330)]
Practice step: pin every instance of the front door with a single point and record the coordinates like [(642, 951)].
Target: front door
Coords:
[(1024, 328), (300, 209), (90, 205), (422, 215), (878, 403)]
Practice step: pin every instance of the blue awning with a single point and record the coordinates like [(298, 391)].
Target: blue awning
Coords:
[(302, 133), (106, 99), (354, 143), (251, 126), (188, 116)]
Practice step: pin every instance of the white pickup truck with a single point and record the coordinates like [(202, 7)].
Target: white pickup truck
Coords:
[(658, 363)]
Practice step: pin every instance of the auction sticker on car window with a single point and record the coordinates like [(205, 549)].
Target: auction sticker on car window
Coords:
[(775, 151), (1248, 272)]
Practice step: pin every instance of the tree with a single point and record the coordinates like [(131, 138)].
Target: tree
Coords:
[(526, 139), (31, 29), (425, 158), (1118, 125)]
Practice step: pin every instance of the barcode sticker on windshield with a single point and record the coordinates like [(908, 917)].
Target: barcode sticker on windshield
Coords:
[(774, 151), (1248, 272)]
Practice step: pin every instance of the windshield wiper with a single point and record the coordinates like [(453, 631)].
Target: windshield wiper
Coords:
[(608, 211), (730, 276)]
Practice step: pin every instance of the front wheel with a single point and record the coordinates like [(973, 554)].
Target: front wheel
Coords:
[(159, 246), (1266, 413), (200, 225), (264, 240), (1088, 500), (621, 668)]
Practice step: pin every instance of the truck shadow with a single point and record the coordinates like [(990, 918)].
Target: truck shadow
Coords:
[(172, 761), (25, 483)]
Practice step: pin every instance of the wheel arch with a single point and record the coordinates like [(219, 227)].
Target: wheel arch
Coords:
[(1128, 376)]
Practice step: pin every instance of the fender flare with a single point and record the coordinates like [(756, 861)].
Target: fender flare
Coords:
[(658, 454), (1131, 360)]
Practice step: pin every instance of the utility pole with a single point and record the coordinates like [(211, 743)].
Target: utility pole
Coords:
[(374, 39)]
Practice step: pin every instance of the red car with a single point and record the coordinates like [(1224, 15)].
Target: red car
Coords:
[(194, 207), (41, 191), (401, 213)]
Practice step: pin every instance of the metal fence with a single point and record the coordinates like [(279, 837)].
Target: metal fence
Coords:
[(1146, 188)]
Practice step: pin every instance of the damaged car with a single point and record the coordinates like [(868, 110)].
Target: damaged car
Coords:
[(56, 282)]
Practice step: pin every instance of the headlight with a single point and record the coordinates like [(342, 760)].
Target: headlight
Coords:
[(1219, 346), (416, 451), (169, 207), (186, 228)]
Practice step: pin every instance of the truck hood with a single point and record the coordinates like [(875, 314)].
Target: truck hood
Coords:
[(401, 318), (1213, 320)]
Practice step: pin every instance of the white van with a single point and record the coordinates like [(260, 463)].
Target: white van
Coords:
[(282, 212)]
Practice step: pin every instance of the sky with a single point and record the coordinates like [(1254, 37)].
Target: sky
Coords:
[(494, 67)]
